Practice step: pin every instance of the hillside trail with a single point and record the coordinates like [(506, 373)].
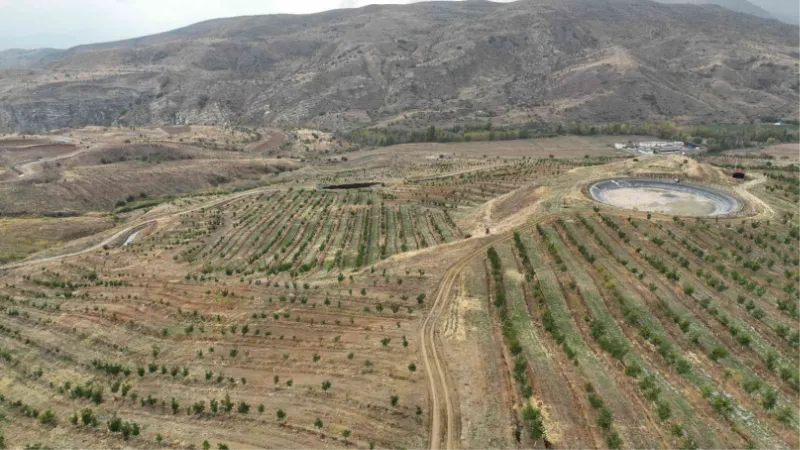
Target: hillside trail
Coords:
[(27, 168), (165, 217), (744, 191)]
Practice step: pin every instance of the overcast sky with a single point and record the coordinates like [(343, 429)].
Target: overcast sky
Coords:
[(66, 23)]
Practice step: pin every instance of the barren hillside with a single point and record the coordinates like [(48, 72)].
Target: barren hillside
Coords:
[(566, 60), (742, 6)]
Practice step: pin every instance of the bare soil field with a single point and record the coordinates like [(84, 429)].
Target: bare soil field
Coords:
[(16, 155), (82, 189), (103, 169), (177, 129), (780, 154), (563, 147), (22, 141), (465, 302), (272, 141), (21, 237)]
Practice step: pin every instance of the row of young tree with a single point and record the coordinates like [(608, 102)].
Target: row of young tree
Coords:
[(532, 417)]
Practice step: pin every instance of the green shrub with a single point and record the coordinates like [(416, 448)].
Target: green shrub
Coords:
[(604, 419), (533, 422), (48, 418), (613, 440)]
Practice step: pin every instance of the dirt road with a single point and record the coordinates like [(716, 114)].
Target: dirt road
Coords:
[(744, 191), (445, 417), (132, 228), (27, 168)]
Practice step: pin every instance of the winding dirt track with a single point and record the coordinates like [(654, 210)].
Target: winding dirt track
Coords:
[(743, 190), (25, 168), (131, 229), (439, 388), (444, 409)]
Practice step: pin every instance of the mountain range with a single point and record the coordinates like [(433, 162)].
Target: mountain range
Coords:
[(410, 65)]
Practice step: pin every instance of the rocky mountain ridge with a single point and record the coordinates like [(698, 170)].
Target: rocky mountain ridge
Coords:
[(438, 62)]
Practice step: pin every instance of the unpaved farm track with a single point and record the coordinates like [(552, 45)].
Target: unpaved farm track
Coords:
[(130, 229), (766, 211), (25, 168), (444, 409)]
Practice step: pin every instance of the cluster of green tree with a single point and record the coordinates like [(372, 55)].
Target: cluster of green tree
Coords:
[(391, 136), (497, 274), (605, 420), (130, 199), (714, 137), (36, 446), (127, 429), (123, 207), (526, 262)]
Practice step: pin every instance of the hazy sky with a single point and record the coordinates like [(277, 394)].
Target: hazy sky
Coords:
[(66, 23)]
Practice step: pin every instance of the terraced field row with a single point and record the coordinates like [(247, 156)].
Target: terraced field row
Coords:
[(469, 189), (102, 339), (304, 231), (629, 303)]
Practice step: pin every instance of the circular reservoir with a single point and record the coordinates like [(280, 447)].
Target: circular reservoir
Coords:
[(666, 197)]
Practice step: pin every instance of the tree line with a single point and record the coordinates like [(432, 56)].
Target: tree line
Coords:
[(716, 137)]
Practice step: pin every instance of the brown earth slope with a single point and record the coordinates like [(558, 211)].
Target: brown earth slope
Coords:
[(567, 60)]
